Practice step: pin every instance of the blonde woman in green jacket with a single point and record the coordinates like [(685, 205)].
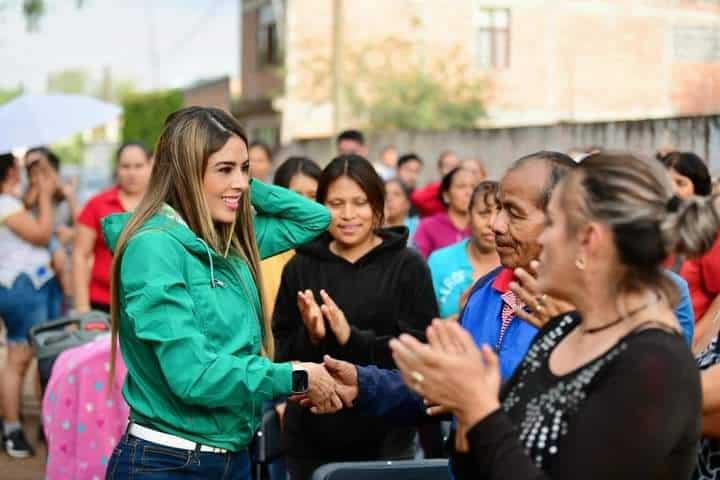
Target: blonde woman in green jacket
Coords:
[(187, 310)]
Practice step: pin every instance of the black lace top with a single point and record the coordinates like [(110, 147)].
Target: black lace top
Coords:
[(708, 458), (632, 413)]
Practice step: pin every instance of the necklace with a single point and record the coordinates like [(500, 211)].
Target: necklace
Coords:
[(631, 313)]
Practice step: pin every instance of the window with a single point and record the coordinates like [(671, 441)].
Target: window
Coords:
[(493, 38), (268, 44), (696, 44)]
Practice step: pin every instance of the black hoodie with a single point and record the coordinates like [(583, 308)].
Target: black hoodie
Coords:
[(386, 292)]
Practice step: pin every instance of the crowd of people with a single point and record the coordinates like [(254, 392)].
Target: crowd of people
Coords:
[(54, 259), (561, 322)]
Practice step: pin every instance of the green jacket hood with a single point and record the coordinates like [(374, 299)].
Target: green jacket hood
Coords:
[(167, 220)]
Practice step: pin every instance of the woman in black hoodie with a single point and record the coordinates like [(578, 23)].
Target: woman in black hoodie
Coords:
[(347, 294)]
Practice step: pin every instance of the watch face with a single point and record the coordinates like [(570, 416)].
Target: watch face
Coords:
[(300, 381)]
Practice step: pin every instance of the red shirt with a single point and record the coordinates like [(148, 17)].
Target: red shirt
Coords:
[(427, 200), (503, 280), (97, 208), (703, 277)]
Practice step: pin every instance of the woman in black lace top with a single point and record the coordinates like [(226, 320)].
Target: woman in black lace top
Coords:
[(610, 392)]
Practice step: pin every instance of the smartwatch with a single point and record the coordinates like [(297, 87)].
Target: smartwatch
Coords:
[(300, 381)]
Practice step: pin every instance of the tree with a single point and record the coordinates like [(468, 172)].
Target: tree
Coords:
[(390, 84), (393, 87), (71, 150), (34, 10), (79, 81), (145, 114), (7, 94), (112, 89), (72, 80)]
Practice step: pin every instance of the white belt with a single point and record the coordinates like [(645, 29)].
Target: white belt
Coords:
[(167, 440)]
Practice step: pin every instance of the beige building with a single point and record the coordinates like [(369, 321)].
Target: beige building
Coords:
[(542, 61)]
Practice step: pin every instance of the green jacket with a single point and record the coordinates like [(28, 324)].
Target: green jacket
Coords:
[(190, 329)]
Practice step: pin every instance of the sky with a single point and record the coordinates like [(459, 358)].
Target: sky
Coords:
[(156, 43)]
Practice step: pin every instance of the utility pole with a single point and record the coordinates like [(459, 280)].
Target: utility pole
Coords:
[(106, 86), (152, 49), (337, 64)]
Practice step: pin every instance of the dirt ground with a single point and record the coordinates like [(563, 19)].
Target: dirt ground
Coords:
[(30, 468)]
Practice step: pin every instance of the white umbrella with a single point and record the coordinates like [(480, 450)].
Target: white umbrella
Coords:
[(32, 120)]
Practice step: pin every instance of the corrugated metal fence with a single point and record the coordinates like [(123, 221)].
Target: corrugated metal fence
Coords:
[(498, 147)]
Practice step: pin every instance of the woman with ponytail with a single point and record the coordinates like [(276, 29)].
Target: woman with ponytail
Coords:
[(187, 309)]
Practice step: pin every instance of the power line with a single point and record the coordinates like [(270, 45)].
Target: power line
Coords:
[(192, 32)]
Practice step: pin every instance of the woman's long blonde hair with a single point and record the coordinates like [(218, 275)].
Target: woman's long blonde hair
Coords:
[(189, 137)]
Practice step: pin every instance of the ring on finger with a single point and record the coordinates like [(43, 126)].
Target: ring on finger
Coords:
[(541, 300), (539, 308), (418, 377)]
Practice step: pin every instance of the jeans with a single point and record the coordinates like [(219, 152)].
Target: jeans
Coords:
[(22, 306), (138, 459)]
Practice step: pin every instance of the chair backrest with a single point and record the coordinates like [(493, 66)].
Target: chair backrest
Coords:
[(269, 439), (436, 469)]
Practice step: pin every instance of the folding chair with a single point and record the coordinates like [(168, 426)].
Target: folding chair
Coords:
[(436, 469), (268, 444)]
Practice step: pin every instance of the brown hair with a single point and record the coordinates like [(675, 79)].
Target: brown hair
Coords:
[(360, 171), (189, 137), (690, 165), (487, 191), (634, 197)]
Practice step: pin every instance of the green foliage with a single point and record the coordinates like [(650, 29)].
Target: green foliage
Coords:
[(81, 82), (72, 80), (417, 101), (400, 91), (71, 151), (7, 94), (145, 114), (34, 10), (113, 90), (121, 89)]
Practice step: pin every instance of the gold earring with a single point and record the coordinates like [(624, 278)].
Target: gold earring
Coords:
[(580, 264)]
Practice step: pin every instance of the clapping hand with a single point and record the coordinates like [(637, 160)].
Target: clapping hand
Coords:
[(312, 316), (336, 318), (450, 372), (541, 306)]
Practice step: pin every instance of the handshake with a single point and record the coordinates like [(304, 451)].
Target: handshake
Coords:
[(333, 385)]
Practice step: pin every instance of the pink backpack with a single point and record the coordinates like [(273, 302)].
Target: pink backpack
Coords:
[(83, 420)]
